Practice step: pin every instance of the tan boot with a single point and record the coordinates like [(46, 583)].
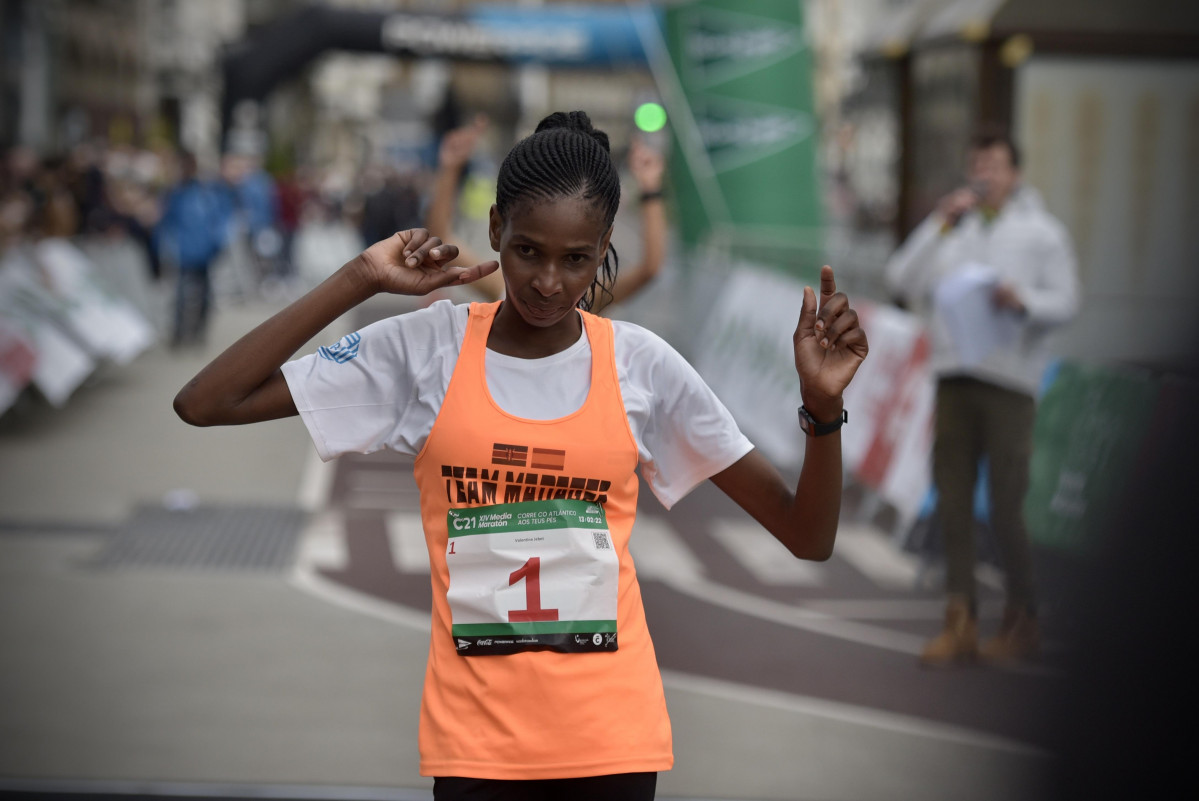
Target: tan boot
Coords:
[(958, 641), (1019, 637)]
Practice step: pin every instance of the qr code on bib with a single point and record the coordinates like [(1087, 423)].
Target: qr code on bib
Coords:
[(601, 541)]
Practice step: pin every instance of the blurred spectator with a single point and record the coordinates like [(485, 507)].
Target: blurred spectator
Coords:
[(131, 209), (294, 190), (21, 166), (57, 215), (16, 210), (257, 200), (991, 244), (193, 231), (86, 182), (392, 203)]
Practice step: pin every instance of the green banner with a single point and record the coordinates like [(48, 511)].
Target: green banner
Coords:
[(1089, 431), (746, 136)]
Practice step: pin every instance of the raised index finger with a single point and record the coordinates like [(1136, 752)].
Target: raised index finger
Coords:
[(828, 284)]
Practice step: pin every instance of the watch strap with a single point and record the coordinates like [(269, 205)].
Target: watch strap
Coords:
[(813, 428)]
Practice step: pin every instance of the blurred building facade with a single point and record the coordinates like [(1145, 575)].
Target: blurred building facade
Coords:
[(1102, 95), (124, 70), (152, 70)]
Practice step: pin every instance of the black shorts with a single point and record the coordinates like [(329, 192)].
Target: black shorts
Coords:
[(623, 786)]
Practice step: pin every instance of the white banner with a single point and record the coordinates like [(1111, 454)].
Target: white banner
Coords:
[(888, 443), (110, 326), (17, 362), (746, 355)]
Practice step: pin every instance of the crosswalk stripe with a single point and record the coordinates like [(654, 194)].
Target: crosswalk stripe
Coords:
[(406, 535), (659, 552), (765, 557), (849, 713), (323, 546), (873, 554)]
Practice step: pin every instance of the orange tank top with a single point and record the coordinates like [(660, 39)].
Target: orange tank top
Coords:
[(540, 661)]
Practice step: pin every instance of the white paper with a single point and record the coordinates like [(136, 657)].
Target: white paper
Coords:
[(965, 305)]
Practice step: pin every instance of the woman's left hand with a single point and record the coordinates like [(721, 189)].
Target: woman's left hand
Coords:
[(829, 347)]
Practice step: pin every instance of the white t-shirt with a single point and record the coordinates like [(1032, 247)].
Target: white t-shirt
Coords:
[(383, 386)]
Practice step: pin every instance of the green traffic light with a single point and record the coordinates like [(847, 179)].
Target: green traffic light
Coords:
[(650, 117)]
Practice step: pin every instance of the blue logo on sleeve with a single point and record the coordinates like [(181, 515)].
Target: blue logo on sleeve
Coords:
[(343, 350)]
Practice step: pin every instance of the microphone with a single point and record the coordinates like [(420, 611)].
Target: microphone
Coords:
[(976, 188)]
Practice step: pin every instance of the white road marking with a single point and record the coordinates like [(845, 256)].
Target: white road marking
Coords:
[(875, 555), (323, 543), (306, 577), (659, 552), (990, 576), (880, 609), (406, 535), (798, 616), (765, 557), (807, 618), (849, 713)]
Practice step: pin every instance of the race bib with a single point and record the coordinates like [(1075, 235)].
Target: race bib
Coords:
[(534, 576)]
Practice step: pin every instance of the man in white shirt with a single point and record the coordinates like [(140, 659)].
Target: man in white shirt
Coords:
[(993, 272)]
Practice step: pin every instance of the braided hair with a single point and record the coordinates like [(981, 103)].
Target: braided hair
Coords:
[(565, 157)]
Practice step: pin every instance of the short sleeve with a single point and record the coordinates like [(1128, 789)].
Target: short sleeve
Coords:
[(684, 433), (380, 387)]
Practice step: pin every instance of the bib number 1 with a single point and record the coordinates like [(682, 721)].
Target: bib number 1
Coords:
[(532, 576), (531, 573)]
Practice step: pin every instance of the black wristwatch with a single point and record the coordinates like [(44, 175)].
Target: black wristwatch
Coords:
[(814, 429)]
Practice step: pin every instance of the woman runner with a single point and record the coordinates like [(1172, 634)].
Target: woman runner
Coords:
[(528, 419)]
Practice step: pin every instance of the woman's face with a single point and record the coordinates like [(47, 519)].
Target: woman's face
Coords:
[(549, 253)]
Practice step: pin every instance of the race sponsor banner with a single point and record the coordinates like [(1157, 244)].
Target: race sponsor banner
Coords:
[(532, 576), (1089, 432), (739, 90)]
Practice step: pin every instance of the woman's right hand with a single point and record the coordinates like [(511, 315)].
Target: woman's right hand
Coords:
[(413, 262), (458, 145), (647, 166)]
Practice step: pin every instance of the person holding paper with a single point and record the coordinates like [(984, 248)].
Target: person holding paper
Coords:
[(993, 272)]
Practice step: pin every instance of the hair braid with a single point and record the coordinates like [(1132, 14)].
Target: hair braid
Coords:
[(565, 157)]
